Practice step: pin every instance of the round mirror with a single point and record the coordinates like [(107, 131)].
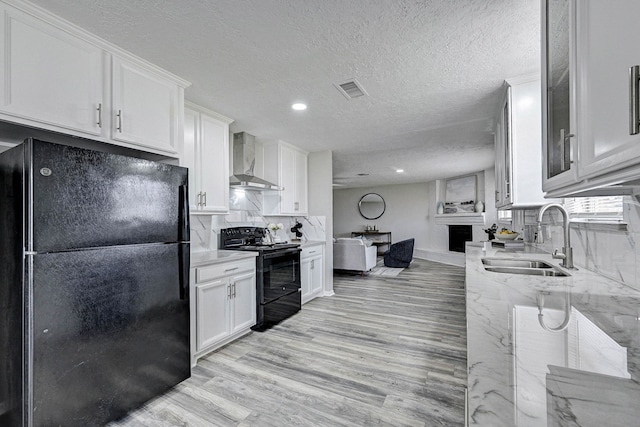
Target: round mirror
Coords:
[(371, 206)]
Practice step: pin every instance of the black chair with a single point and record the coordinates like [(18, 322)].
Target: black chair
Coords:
[(399, 254)]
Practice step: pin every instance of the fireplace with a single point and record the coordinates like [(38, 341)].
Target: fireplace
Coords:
[(458, 235)]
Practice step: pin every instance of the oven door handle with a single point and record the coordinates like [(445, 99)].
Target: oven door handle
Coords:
[(277, 254)]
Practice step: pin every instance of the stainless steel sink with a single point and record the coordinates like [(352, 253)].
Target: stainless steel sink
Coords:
[(528, 271), (510, 262), (522, 266)]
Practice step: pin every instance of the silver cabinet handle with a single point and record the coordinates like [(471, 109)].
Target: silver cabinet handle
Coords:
[(234, 290), (99, 110), (198, 199), (634, 100), (564, 138), (204, 196), (561, 143), (119, 116), (229, 291), (296, 206), (230, 269)]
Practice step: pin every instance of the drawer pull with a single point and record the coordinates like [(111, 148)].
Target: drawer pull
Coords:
[(230, 269)]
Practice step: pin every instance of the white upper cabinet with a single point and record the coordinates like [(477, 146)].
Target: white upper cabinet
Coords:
[(518, 139), (50, 76), (558, 95), (206, 154), (285, 165), (608, 35), (58, 77), (145, 107), (590, 103)]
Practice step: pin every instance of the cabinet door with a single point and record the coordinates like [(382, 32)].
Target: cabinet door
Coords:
[(287, 180), (144, 107), (558, 94), (213, 164), (317, 274), (300, 202), (503, 155), (244, 301), (607, 37), (189, 155), (305, 278), (212, 312), (49, 76)]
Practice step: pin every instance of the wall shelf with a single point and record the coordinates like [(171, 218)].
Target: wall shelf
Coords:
[(472, 218)]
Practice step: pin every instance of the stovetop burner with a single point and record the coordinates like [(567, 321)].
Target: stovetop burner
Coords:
[(268, 246), (250, 239)]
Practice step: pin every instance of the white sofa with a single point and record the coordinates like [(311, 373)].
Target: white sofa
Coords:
[(353, 254)]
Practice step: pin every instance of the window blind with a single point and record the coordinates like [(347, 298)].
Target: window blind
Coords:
[(606, 207), (504, 215)]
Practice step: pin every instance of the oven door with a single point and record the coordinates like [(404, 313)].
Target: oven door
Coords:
[(280, 274)]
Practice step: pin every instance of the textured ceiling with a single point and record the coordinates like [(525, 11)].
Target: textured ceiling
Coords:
[(433, 70)]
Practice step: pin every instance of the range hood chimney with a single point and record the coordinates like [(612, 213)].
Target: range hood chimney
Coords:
[(244, 160)]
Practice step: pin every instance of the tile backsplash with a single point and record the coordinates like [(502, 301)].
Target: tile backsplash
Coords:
[(245, 208), (601, 249)]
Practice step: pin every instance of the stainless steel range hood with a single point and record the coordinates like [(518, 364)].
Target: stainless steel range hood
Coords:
[(244, 160)]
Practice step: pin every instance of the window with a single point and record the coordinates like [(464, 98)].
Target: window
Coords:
[(504, 215), (608, 208)]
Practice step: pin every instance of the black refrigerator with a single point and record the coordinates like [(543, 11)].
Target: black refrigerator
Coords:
[(94, 303)]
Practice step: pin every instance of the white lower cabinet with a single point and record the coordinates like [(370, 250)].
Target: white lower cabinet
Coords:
[(312, 272), (212, 312), (223, 304)]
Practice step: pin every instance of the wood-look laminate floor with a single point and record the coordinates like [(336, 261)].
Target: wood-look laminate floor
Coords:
[(384, 351)]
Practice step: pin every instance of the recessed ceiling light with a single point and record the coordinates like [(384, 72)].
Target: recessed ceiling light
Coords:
[(299, 106), (399, 170)]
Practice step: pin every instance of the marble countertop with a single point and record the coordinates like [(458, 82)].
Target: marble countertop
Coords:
[(309, 243), (521, 374), (199, 259)]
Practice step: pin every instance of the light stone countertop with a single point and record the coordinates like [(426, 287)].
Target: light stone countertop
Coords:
[(523, 375), (310, 243), (198, 259)]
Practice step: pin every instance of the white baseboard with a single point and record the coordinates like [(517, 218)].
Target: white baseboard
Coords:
[(451, 258)]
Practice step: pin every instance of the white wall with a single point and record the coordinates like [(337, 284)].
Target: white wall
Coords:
[(406, 214), (411, 210)]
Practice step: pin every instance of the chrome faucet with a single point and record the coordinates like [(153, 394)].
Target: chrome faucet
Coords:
[(567, 252)]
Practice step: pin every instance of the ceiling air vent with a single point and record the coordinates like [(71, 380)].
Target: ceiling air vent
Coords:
[(351, 89)]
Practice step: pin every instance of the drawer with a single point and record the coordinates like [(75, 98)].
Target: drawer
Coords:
[(311, 251), (209, 272)]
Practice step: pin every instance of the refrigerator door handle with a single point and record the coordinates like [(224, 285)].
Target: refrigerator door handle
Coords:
[(183, 232), (184, 264)]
